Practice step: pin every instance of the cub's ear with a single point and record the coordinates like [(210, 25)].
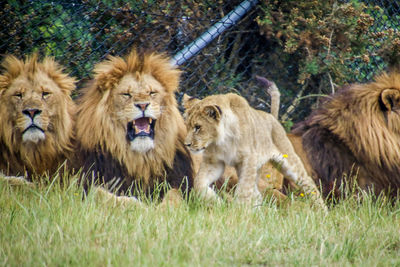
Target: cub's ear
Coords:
[(189, 101), (213, 111), (390, 99)]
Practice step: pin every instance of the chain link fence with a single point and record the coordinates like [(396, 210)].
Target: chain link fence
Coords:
[(389, 19), (81, 33)]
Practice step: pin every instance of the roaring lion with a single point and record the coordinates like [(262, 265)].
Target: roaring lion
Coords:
[(230, 132), (354, 136), (129, 131), (36, 116)]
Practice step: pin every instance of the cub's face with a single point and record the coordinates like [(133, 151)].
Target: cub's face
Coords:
[(137, 105), (202, 126), (33, 108)]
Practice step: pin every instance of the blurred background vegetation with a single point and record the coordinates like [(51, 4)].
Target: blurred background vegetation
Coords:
[(309, 48)]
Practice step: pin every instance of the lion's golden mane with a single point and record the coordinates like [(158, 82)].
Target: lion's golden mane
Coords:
[(356, 133), (18, 80), (103, 140)]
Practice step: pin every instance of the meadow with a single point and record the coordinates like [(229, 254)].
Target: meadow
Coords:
[(51, 225)]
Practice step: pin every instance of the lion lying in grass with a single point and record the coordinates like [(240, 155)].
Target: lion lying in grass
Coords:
[(355, 133), (37, 117), (229, 132), (353, 138)]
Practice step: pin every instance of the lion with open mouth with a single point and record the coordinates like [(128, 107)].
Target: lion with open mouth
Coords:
[(129, 130)]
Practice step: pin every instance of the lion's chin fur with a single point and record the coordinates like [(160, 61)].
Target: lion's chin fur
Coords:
[(33, 136), (142, 144), (197, 151)]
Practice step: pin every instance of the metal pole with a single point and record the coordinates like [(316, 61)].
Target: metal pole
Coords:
[(213, 32)]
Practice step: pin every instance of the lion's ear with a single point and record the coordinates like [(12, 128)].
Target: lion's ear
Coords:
[(213, 111), (4, 82), (189, 101), (390, 98), (105, 81), (11, 68)]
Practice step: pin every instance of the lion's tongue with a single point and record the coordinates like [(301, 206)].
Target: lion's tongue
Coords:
[(142, 125)]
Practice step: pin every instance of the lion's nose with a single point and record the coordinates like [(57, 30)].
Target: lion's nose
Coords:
[(142, 106), (31, 112)]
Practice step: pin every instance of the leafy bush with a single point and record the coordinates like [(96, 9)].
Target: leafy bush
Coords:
[(327, 43)]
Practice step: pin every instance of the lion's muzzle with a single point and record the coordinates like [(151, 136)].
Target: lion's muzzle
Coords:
[(33, 131), (193, 149)]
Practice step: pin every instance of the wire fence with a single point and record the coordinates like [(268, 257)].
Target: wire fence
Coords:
[(81, 33), (389, 19)]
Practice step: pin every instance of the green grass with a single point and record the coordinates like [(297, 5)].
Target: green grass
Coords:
[(53, 226)]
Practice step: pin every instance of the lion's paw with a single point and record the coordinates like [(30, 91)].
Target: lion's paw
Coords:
[(250, 198), (208, 194), (16, 180), (126, 201)]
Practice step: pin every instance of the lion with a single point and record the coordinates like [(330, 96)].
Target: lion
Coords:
[(37, 117), (354, 136), (129, 132), (270, 179), (230, 132)]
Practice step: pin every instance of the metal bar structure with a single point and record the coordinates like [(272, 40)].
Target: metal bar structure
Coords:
[(214, 31)]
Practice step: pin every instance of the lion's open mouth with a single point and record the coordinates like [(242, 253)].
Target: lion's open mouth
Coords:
[(141, 127)]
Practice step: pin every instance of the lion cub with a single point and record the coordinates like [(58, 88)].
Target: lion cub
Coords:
[(230, 132)]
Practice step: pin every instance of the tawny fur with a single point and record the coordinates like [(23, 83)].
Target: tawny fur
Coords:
[(270, 179), (32, 84), (356, 134), (108, 104), (274, 93), (229, 132)]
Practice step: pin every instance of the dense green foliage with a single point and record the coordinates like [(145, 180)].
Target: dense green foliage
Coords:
[(326, 44)]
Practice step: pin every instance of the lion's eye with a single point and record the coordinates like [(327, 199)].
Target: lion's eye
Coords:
[(19, 95), (197, 128), (45, 94), (126, 95), (153, 93)]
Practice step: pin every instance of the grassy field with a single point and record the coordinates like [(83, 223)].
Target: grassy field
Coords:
[(50, 226)]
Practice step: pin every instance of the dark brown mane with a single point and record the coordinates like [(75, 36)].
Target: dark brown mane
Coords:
[(356, 134)]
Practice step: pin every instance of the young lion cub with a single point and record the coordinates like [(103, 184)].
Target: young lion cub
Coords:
[(230, 132)]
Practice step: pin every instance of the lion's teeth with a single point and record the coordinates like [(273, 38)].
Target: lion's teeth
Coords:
[(148, 128), (136, 129), (150, 120)]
